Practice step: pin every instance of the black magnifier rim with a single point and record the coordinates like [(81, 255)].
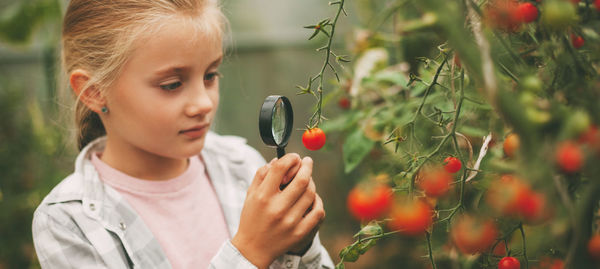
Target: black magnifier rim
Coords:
[(265, 120)]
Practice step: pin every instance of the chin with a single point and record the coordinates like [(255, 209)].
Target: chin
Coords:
[(193, 148)]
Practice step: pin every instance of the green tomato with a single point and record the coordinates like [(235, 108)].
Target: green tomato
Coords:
[(537, 116), (527, 99), (558, 14), (531, 83), (578, 122)]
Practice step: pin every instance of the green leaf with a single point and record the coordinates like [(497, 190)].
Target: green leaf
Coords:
[(355, 148), (373, 228), (349, 253)]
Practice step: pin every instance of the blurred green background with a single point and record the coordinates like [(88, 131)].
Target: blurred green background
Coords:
[(268, 54)]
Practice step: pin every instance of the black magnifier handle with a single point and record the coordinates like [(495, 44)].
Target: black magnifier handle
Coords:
[(280, 152)]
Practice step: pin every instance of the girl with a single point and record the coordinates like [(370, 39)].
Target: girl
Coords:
[(152, 186)]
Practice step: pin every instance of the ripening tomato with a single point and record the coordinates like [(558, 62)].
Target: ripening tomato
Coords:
[(344, 103), (511, 144), (551, 263), (452, 164), (597, 3), (528, 12), (593, 247), (313, 139), (369, 202), (435, 181), (577, 41), (506, 193), (503, 15), (509, 263), (590, 136), (472, 235), (532, 207), (411, 217), (569, 157)]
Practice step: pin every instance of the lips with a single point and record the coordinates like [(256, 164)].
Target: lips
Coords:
[(196, 131)]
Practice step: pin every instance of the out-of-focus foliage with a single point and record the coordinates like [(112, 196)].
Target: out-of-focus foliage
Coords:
[(431, 79)]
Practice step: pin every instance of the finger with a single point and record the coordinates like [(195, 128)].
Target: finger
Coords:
[(314, 218), (290, 174), (258, 177), (300, 182), (300, 207), (277, 170)]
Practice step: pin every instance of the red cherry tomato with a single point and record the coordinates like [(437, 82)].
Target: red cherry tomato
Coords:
[(597, 4), (472, 235), (435, 182), (577, 41), (532, 206), (505, 193), (344, 103), (411, 217), (369, 202), (593, 247), (511, 144), (528, 12), (452, 164), (569, 157), (313, 139), (509, 263)]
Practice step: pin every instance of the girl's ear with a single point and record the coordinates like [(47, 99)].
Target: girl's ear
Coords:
[(90, 96)]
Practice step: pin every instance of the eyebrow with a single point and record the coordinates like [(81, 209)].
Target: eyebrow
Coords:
[(180, 69)]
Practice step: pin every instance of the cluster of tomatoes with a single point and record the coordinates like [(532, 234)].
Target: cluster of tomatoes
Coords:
[(408, 216), (510, 15), (569, 154)]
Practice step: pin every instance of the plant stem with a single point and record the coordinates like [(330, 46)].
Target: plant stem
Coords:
[(429, 249), (524, 245), (316, 118)]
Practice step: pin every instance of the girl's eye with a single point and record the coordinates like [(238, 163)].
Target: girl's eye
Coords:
[(212, 76), (171, 86)]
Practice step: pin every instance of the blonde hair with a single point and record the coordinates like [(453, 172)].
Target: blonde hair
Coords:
[(98, 37)]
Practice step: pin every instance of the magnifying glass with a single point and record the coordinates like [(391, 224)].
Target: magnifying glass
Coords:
[(275, 122)]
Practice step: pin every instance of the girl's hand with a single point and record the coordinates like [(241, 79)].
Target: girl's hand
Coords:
[(275, 221)]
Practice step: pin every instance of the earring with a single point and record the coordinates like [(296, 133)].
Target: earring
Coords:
[(104, 110)]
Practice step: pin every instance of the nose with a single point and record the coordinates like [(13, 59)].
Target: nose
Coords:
[(199, 102)]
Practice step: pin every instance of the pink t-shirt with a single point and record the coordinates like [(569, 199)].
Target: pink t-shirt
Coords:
[(183, 213)]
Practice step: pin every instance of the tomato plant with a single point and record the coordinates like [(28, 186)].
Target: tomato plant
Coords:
[(499, 85), (313, 138), (368, 202), (509, 263)]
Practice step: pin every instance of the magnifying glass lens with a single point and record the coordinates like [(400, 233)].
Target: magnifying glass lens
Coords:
[(279, 121)]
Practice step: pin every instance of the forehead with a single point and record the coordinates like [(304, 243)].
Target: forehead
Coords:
[(179, 38)]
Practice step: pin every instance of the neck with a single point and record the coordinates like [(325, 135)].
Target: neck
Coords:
[(142, 164)]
